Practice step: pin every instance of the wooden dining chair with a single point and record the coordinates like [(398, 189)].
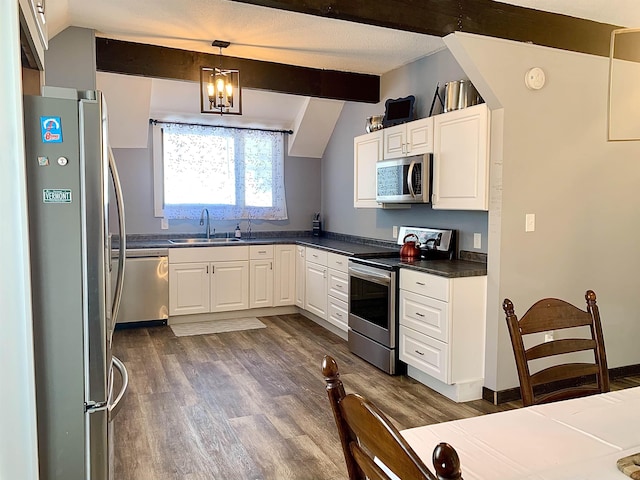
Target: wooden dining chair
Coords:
[(373, 448), (558, 377)]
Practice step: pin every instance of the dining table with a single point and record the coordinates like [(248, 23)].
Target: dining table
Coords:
[(577, 439)]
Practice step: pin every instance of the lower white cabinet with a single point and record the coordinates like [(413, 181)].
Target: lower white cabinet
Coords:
[(229, 286), (301, 268), (261, 276), (208, 279), (284, 275), (316, 282), (338, 291), (188, 288), (442, 332)]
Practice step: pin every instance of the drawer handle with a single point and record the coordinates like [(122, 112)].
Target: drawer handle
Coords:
[(418, 314), (262, 252), (339, 263), (339, 286), (339, 315), (419, 352), (421, 284)]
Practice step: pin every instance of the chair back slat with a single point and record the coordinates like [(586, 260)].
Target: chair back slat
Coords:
[(558, 373), (560, 347), (552, 314)]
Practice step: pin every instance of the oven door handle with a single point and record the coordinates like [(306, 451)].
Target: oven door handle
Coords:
[(370, 276)]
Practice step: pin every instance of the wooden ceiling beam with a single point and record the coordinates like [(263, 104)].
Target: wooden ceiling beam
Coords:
[(116, 56), (442, 17)]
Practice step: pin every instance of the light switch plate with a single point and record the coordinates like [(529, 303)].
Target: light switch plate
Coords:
[(530, 222), (164, 224), (477, 240), (395, 231)]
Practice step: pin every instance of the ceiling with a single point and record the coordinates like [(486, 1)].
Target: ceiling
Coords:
[(268, 34)]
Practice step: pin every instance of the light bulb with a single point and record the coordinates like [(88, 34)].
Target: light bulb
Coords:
[(210, 89), (220, 85)]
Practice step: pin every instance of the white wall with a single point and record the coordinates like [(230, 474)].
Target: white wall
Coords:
[(18, 440), (555, 162)]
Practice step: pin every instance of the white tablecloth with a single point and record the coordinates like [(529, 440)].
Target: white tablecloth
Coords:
[(576, 439)]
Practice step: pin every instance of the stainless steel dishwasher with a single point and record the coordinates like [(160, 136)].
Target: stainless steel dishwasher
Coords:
[(145, 296)]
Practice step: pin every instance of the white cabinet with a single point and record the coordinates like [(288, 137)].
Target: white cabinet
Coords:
[(338, 290), (367, 150), (461, 159), (284, 275), (301, 268), (442, 332), (229, 286), (316, 282), (32, 20), (188, 288), (208, 279), (261, 276), (411, 138)]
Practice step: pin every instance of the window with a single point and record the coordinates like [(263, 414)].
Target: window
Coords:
[(234, 173)]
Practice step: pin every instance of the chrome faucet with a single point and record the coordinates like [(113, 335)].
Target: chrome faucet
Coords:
[(208, 229)]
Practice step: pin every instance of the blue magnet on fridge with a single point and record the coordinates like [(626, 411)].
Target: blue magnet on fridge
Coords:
[(51, 128)]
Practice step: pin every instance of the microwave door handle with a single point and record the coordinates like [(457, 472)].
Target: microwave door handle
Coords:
[(410, 179)]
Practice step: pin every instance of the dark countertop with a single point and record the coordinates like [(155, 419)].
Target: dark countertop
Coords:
[(356, 249), (384, 252), (442, 268)]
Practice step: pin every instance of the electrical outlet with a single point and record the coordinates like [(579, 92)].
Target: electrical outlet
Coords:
[(477, 240), (164, 224), (548, 337), (395, 231), (530, 222)]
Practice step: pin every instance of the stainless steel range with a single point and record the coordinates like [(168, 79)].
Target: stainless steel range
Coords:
[(373, 293)]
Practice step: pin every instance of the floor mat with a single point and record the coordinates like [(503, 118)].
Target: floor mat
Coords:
[(216, 326)]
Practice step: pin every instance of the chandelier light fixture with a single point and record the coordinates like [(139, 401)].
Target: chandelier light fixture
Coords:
[(220, 87)]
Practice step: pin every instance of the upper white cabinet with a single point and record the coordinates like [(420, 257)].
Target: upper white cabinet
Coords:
[(412, 138), (32, 20), (367, 150), (461, 159)]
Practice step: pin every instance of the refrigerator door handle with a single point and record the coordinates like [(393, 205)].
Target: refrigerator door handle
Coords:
[(114, 406), (117, 297)]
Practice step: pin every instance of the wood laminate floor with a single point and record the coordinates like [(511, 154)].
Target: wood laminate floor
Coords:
[(252, 404)]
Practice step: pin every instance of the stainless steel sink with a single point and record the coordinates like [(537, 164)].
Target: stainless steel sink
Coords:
[(203, 241)]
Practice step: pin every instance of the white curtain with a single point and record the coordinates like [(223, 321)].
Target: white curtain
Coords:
[(234, 173)]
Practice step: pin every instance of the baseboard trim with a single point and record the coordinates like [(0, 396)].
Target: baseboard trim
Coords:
[(513, 394)]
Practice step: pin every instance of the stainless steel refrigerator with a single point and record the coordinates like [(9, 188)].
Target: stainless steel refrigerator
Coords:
[(70, 173)]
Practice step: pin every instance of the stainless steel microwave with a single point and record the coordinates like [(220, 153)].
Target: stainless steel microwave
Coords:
[(403, 180)]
